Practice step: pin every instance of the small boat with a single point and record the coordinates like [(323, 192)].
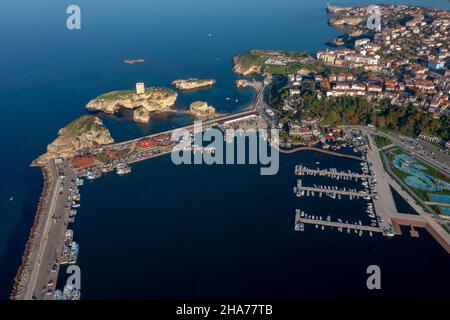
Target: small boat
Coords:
[(11, 199)]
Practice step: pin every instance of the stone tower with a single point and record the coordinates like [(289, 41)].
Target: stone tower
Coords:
[(140, 88)]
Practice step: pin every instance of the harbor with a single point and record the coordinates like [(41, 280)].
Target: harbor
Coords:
[(368, 190)]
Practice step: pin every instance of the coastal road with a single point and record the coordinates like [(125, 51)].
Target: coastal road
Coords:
[(440, 161)]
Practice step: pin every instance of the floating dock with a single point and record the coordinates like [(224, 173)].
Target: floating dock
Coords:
[(301, 190), (340, 225), (301, 170)]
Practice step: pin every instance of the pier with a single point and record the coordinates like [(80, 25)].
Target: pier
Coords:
[(301, 170), (300, 191), (342, 225)]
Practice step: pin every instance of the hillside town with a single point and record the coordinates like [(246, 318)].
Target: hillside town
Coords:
[(405, 62), (409, 60)]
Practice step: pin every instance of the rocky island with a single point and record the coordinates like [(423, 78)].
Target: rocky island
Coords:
[(82, 133), (193, 83), (201, 109), (143, 101)]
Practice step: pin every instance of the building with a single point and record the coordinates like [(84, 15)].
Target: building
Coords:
[(361, 42), (430, 138), (140, 88)]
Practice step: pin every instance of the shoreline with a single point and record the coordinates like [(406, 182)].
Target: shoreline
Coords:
[(32, 245)]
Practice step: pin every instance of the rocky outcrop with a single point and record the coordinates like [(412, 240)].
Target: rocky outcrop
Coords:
[(153, 100), (336, 9), (201, 109), (242, 83), (345, 20), (141, 115), (83, 133), (193, 83), (245, 69)]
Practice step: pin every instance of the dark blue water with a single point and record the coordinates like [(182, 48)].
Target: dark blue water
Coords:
[(401, 204), (48, 74), (226, 232)]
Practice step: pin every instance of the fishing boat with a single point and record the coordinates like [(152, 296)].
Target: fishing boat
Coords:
[(123, 168), (92, 175), (79, 182)]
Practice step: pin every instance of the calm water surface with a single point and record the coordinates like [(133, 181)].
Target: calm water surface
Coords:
[(177, 231)]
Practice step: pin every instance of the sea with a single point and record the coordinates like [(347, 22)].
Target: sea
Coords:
[(189, 231)]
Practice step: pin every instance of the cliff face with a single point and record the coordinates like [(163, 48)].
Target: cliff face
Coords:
[(242, 83), (245, 69), (193, 83), (153, 100), (85, 132)]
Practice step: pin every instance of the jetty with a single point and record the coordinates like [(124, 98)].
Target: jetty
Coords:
[(302, 190), (330, 173), (334, 224)]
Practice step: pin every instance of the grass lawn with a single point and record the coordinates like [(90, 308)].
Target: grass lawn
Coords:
[(382, 142)]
